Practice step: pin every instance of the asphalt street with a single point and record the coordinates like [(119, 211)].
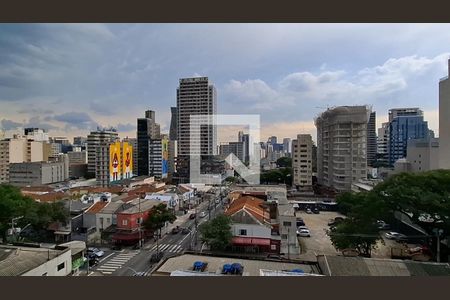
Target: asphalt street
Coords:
[(129, 262)]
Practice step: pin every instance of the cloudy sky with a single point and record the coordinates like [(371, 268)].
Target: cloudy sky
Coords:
[(69, 78)]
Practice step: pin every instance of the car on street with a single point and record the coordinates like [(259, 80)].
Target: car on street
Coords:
[(202, 214), (308, 211), (185, 231), (175, 230), (96, 252), (300, 222), (316, 211), (192, 216), (217, 201), (303, 232), (302, 227), (392, 235)]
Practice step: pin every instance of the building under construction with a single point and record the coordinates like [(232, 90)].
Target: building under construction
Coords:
[(342, 146)]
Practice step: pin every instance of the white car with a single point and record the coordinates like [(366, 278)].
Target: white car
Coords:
[(302, 227), (392, 235), (96, 252), (202, 214), (303, 232)]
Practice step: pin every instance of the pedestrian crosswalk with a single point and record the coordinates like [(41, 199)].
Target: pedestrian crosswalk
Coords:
[(116, 262), (168, 248)]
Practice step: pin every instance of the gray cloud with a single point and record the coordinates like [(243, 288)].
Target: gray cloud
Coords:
[(9, 124), (78, 120), (125, 127)]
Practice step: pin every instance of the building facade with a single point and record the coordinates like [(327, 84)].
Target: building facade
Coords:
[(371, 139), (382, 144), (147, 129), (158, 157), (195, 96), (94, 139), (342, 146), (404, 124), (114, 163), (423, 154), (444, 121), (237, 148), (302, 161), (38, 173), (133, 143)]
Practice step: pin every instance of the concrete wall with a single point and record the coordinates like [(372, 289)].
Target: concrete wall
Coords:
[(256, 231), (444, 122), (50, 268)]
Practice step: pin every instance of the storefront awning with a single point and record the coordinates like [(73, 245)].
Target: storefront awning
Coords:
[(250, 241)]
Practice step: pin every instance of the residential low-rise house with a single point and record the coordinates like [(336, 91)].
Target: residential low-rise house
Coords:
[(251, 226), (170, 199), (129, 228), (33, 261), (78, 254)]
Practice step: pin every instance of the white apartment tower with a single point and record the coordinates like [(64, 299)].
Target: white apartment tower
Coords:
[(342, 146), (302, 161), (444, 121)]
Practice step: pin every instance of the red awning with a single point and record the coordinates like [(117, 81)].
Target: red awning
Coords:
[(126, 236), (250, 241)]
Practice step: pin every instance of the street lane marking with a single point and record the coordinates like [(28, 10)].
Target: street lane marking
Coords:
[(171, 248), (107, 273), (106, 257)]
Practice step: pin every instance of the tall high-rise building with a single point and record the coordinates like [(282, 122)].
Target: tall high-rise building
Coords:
[(444, 121), (147, 129), (272, 140), (342, 146), (245, 139), (404, 124), (158, 157), (113, 162), (382, 144), (371, 139), (173, 124), (287, 146), (302, 161), (195, 96), (79, 141), (237, 148), (94, 139)]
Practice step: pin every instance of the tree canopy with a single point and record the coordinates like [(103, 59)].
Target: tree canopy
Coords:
[(39, 215), (284, 162), (424, 197), (282, 175), (158, 216), (217, 232)]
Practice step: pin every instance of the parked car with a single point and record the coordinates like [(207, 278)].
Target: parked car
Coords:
[(308, 211), (185, 231), (316, 211), (275, 256), (93, 260), (303, 232), (96, 252), (300, 222), (192, 216), (302, 227), (392, 235), (202, 214), (175, 230)]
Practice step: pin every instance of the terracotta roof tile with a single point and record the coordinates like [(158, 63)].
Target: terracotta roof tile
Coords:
[(252, 205), (96, 207), (48, 197)]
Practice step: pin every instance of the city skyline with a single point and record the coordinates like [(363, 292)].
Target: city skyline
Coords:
[(71, 78)]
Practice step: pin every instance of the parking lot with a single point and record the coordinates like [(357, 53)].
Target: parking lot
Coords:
[(320, 242)]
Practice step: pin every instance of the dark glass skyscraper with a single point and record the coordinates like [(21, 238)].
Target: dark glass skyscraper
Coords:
[(147, 129), (404, 124), (371, 139)]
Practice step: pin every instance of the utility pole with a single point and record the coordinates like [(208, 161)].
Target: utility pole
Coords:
[(140, 221), (289, 244)]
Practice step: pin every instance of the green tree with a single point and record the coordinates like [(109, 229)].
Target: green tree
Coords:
[(216, 233), (157, 218), (284, 162), (231, 179), (13, 204), (419, 195)]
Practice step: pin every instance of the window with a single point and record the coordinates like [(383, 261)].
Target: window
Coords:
[(61, 266), (273, 247), (242, 231), (285, 223), (124, 222), (284, 236)]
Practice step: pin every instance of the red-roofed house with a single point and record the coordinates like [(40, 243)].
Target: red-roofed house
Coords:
[(251, 228)]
